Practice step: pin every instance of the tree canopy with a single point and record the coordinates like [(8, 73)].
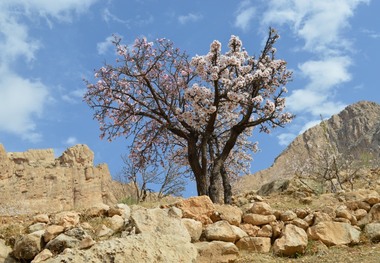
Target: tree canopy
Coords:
[(198, 112)]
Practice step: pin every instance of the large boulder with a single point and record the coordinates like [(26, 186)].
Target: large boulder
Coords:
[(199, 208), (221, 231), (293, 241), (334, 233), (229, 213), (144, 247)]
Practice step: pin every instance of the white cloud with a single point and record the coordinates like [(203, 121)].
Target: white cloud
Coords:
[(104, 46), (109, 17), (74, 96), (319, 23), (71, 141), (21, 101), (244, 15), (184, 19), (61, 10), (284, 139)]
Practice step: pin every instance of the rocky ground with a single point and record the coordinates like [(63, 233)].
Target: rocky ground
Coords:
[(292, 224)]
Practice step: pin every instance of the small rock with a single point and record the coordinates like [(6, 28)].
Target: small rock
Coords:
[(288, 216), (258, 220), (52, 231), (193, 227), (86, 242), (41, 218), (372, 231), (218, 251), (265, 231), (26, 247), (61, 242), (254, 244), (42, 256), (250, 229), (261, 208)]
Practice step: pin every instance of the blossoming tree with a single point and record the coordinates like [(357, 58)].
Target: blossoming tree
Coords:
[(199, 112)]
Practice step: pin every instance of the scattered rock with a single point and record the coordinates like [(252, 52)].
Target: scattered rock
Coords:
[(293, 241), (220, 231), (218, 251), (199, 208), (193, 227), (254, 244), (258, 220), (372, 231), (42, 256), (26, 247), (334, 233)]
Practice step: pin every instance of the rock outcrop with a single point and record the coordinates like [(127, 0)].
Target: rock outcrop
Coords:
[(136, 234), (36, 181), (354, 132)]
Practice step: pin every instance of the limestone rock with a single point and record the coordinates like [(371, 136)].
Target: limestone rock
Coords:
[(258, 220), (254, 244), (372, 216), (144, 247), (293, 241), (66, 219), (86, 242), (218, 251), (265, 231), (34, 181), (193, 227), (372, 231), (42, 256), (26, 247), (61, 242), (261, 208), (4, 249), (353, 131), (250, 229), (334, 233), (229, 213), (199, 208), (52, 231), (288, 216), (41, 218), (220, 231), (158, 220)]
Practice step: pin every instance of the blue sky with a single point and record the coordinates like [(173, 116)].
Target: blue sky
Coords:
[(48, 47)]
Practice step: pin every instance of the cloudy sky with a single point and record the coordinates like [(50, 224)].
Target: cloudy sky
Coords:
[(49, 47)]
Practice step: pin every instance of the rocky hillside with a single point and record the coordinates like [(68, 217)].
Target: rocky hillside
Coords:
[(35, 181), (254, 229), (354, 133)]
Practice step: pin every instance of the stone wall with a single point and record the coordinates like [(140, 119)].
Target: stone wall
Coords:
[(36, 181)]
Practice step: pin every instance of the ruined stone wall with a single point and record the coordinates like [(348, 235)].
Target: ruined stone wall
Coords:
[(36, 181)]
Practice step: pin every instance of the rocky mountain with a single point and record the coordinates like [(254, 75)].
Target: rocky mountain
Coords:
[(354, 134), (36, 181)]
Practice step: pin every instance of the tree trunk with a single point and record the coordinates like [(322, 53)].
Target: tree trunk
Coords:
[(227, 189)]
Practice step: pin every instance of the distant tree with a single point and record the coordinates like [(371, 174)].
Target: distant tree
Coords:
[(168, 179), (197, 112)]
